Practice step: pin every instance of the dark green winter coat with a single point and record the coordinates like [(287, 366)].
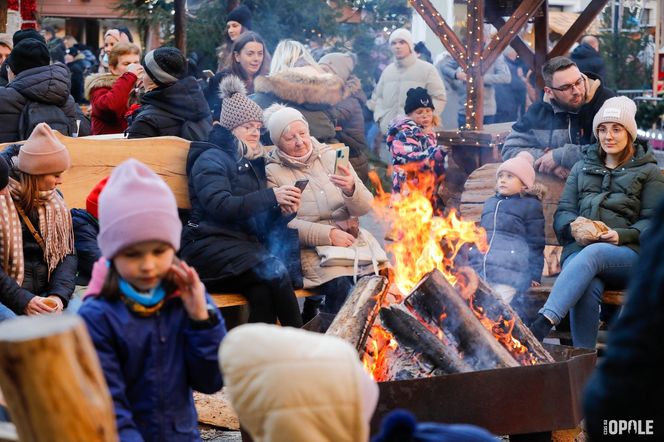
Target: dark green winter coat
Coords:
[(623, 198)]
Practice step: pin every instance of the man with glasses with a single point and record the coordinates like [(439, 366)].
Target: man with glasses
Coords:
[(553, 129)]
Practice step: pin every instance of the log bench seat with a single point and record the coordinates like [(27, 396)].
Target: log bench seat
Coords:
[(222, 300)]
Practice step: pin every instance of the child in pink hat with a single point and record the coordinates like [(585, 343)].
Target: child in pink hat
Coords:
[(514, 223), (154, 327)]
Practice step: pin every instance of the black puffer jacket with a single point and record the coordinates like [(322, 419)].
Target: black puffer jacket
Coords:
[(587, 59), (234, 215), (45, 84), (86, 230), (165, 110), (36, 281)]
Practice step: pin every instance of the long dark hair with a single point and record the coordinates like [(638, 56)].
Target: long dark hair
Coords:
[(238, 45)]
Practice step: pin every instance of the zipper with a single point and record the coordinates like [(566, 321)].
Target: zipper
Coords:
[(493, 234)]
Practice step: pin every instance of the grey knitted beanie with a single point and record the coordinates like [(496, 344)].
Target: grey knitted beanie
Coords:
[(236, 108)]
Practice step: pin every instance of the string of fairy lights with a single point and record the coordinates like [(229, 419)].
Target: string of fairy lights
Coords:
[(470, 62)]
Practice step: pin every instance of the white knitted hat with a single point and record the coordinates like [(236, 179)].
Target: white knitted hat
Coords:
[(621, 110), (403, 34)]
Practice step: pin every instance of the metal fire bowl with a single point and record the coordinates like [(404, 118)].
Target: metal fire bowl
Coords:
[(510, 401)]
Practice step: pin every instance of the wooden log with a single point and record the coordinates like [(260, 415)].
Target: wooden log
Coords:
[(412, 334), (434, 297), (359, 312), (52, 381), (495, 308)]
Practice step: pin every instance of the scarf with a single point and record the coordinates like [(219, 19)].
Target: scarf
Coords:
[(55, 227), (143, 304), (301, 161)]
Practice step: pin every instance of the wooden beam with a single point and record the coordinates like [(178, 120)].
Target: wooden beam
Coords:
[(439, 26), (578, 28), (541, 44), (506, 33), (525, 53), (474, 73)]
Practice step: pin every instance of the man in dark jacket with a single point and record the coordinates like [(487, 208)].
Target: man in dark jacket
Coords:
[(46, 88), (628, 384), (174, 103), (553, 129), (587, 58)]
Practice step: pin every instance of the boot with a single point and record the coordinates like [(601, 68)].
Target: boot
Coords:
[(310, 309), (541, 327)]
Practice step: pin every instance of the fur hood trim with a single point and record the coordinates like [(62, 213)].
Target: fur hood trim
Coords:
[(354, 89), (303, 85), (95, 81), (538, 190)]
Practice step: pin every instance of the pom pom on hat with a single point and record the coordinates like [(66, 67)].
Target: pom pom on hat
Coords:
[(398, 426), (277, 117), (621, 110), (92, 201), (416, 98), (521, 166), (43, 153), (403, 34), (136, 206), (236, 108)]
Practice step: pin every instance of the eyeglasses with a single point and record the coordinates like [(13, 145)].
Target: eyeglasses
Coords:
[(568, 87)]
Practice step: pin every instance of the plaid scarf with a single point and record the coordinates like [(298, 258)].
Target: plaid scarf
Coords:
[(55, 227)]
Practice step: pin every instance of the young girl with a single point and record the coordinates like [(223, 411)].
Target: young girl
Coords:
[(514, 223), (412, 139), (619, 183), (155, 330), (37, 261)]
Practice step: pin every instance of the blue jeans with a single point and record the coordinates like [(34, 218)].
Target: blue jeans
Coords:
[(6, 313), (579, 287)]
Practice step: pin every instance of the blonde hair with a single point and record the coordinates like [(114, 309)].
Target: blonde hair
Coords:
[(121, 49), (29, 191), (289, 54)]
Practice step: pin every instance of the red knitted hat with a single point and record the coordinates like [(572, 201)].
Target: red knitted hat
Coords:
[(92, 201)]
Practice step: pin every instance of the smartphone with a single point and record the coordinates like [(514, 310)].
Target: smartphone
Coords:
[(301, 184), (341, 159)]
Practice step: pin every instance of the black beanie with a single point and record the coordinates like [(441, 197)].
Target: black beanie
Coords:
[(416, 98), (242, 15), (4, 173), (165, 65), (27, 33), (28, 54)]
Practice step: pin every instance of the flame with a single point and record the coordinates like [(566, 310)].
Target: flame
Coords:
[(422, 241), (379, 344)]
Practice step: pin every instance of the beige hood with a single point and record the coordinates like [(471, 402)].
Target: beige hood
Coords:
[(291, 385)]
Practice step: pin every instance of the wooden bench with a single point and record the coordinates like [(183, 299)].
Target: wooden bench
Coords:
[(94, 157), (480, 186)]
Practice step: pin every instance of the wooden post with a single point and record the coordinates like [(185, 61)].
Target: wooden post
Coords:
[(475, 81), (439, 26), (3, 15), (52, 381), (541, 44), (180, 24)]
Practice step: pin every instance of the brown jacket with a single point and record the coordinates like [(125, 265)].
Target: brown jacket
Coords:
[(323, 205)]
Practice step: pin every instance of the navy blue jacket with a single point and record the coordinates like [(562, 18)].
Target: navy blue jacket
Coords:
[(152, 364), (515, 232), (234, 216), (86, 229), (587, 59)]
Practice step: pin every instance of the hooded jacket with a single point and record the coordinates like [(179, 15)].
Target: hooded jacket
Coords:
[(152, 364), (45, 84), (290, 385), (587, 59), (322, 206), (311, 92), (109, 101), (515, 233), (164, 111), (233, 213), (624, 198), (545, 125), (389, 97)]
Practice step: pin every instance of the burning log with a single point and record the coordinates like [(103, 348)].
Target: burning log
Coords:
[(52, 380), (497, 310), (359, 312), (412, 334), (435, 297)]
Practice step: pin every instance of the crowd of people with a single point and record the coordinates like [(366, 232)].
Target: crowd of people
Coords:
[(260, 217)]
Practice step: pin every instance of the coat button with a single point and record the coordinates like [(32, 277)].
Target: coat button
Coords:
[(163, 339)]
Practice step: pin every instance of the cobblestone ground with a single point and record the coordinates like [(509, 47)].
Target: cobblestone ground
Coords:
[(212, 434)]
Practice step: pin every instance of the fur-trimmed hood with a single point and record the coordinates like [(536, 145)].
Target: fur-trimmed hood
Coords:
[(354, 89), (95, 81), (302, 85)]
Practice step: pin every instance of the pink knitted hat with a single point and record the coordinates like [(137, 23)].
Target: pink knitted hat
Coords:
[(522, 167), (43, 153), (136, 206)]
